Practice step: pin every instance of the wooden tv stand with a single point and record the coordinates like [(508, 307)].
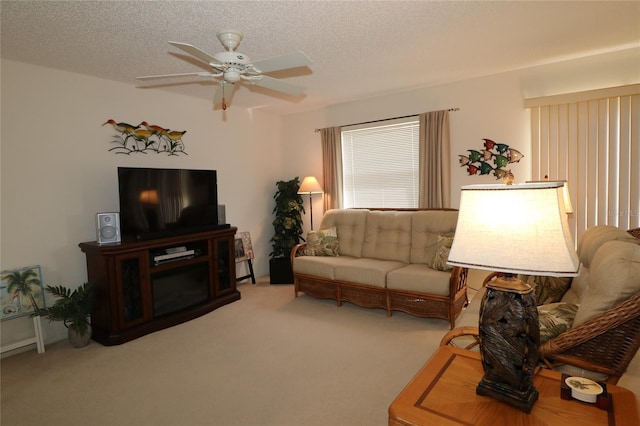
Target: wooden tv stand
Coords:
[(133, 291)]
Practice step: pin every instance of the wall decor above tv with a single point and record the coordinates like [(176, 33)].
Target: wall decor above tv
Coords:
[(146, 138)]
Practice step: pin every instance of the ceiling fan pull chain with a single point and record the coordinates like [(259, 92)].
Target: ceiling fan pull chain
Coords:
[(224, 102)]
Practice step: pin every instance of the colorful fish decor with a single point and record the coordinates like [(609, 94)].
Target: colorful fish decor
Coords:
[(145, 138), (492, 159)]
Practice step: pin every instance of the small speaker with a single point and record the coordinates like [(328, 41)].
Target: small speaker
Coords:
[(108, 228), (222, 220)]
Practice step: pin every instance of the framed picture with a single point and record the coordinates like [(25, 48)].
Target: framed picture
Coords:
[(21, 292), (239, 250), (243, 248)]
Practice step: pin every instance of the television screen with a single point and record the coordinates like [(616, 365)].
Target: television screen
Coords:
[(156, 203)]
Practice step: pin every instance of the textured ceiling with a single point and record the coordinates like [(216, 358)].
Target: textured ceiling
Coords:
[(359, 49)]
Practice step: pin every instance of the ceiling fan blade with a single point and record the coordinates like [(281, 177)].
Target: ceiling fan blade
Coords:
[(192, 50), (225, 90), (292, 60), (187, 74), (279, 85)]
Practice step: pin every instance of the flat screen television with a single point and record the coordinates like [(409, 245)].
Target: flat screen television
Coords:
[(156, 203)]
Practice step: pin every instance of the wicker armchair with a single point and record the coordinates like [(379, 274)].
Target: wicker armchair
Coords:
[(605, 344)]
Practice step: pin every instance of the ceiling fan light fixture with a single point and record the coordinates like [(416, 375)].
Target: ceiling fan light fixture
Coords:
[(232, 76)]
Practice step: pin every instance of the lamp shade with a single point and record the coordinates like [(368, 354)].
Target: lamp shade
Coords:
[(515, 229), (565, 193), (310, 185)]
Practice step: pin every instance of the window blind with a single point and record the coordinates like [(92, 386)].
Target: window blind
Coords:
[(595, 146), (381, 166)]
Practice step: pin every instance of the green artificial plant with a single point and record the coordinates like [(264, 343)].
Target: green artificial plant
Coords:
[(72, 307), (288, 213)]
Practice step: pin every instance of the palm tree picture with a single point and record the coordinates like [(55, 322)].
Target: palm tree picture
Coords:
[(21, 292)]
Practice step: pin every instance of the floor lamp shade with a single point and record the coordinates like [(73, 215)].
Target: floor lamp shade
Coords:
[(310, 185), (515, 229)]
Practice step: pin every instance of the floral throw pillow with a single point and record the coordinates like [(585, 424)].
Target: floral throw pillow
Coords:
[(555, 319), (547, 289), (439, 262), (322, 243)]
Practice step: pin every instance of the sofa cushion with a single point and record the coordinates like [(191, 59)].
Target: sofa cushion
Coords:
[(614, 277), (578, 286), (372, 272), (322, 243), (594, 237), (588, 245), (426, 227), (319, 266), (555, 319), (350, 225), (388, 236), (547, 289), (419, 278)]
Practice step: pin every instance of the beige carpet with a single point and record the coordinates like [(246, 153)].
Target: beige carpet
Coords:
[(268, 359)]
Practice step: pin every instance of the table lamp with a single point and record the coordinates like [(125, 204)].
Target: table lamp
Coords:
[(310, 186), (514, 229)]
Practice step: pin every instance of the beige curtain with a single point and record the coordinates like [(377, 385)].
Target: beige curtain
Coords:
[(434, 151), (332, 167)]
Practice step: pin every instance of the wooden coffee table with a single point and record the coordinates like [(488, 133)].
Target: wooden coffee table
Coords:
[(444, 393)]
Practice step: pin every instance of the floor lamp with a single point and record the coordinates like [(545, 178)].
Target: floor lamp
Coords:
[(310, 186)]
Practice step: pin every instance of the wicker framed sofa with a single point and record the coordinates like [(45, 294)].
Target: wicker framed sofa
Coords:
[(389, 259)]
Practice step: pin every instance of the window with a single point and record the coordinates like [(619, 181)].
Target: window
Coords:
[(381, 165), (591, 139)]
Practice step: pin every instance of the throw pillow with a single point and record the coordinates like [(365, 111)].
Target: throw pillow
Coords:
[(555, 319), (547, 289), (322, 243), (439, 262)]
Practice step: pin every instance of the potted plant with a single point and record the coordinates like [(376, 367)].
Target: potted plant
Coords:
[(288, 230), (72, 308)]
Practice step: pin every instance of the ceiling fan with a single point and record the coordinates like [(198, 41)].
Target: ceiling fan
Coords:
[(232, 67)]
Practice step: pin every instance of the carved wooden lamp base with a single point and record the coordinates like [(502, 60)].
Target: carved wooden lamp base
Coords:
[(522, 400), (509, 339)]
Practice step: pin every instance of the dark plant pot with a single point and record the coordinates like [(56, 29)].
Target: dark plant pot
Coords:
[(280, 271)]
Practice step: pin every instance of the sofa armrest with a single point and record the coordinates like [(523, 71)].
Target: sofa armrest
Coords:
[(297, 250), (462, 337), (606, 343), (458, 282)]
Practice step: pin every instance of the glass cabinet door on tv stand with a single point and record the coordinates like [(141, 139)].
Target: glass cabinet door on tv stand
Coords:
[(145, 286), (133, 289)]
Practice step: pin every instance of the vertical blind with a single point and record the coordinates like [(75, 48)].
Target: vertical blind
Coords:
[(381, 166), (594, 144)]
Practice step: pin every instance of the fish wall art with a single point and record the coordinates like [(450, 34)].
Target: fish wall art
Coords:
[(492, 159)]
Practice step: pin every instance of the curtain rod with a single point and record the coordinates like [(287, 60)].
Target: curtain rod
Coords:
[(387, 119)]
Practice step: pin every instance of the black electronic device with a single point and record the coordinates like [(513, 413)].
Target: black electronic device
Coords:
[(156, 203)]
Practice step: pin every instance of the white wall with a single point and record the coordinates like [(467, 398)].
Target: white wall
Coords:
[(57, 172), (490, 107)]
